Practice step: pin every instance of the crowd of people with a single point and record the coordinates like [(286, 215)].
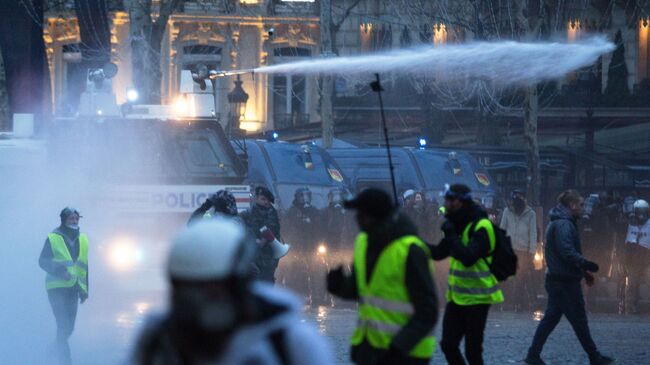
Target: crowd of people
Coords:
[(225, 310)]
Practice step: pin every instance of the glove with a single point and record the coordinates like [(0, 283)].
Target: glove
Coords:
[(207, 204), (391, 357), (590, 266), (335, 279), (448, 228), (212, 199)]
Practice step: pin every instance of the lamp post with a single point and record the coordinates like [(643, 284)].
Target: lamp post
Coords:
[(237, 99)]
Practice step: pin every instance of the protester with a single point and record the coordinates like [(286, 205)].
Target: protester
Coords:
[(566, 269)]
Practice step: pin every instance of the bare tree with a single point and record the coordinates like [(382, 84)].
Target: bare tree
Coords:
[(329, 29), (523, 20), (146, 35)]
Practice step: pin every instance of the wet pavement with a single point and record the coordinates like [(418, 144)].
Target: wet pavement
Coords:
[(508, 336), (106, 335)]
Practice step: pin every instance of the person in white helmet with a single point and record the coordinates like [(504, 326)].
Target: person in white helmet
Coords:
[(636, 253), (219, 315)]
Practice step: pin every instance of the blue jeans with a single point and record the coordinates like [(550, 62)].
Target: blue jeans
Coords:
[(564, 298)]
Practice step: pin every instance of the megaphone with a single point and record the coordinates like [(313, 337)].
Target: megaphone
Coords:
[(279, 249)]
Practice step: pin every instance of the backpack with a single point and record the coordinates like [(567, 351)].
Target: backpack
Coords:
[(504, 259)]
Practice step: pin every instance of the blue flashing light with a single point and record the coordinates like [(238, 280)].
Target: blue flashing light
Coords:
[(272, 136), (422, 143)]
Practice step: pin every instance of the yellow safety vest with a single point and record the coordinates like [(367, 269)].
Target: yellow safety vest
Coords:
[(385, 306), (474, 284), (78, 269)]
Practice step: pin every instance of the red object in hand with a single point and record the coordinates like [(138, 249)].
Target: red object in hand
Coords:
[(267, 234), (590, 279)]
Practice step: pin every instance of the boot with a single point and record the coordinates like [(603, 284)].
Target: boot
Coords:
[(599, 359), (534, 360)]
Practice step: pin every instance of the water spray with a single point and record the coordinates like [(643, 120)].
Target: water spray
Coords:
[(502, 63)]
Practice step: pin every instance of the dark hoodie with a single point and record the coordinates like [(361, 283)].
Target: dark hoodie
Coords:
[(451, 245), (419, 285), (563, 250)]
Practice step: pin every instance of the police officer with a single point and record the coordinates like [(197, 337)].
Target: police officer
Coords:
[(469, 241), (219, 315), (302, 221), (65, 260), (392, 281), (636, 253), (336, 221)]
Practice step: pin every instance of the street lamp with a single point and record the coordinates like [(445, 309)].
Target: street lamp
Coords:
[(237, 99)]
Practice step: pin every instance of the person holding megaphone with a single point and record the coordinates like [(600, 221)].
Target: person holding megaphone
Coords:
[(263, 222)]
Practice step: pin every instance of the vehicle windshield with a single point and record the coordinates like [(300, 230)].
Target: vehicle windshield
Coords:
[(295, 164), (146, 151), (439, 168)]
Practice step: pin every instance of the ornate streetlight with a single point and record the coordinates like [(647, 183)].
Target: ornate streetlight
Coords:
[(237, 99)]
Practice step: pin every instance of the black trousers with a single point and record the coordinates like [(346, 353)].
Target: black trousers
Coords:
[(564, 298), (365, 354), (464, 321), (64, 303)]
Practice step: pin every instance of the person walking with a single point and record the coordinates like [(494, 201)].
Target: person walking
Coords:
[(469, 239), (392, 281), (65, 260), (263, 214), (566, 267), (520, 221), (219, 315)]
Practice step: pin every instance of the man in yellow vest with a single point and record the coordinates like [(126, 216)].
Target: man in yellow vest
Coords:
[(65, 260), (392, 281), (469, 241)]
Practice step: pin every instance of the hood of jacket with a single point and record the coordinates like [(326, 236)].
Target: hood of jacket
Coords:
[(70, 235), (560, 212), (469, 213)]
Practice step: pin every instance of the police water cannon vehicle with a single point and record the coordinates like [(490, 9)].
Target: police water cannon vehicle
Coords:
[(150, 167)]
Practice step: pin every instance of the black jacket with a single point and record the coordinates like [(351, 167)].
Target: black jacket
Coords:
[(301, 227), (254, 219), (451, 245), (419, 285), (563, 250)]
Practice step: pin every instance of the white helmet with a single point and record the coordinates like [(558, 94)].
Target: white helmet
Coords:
[(211, 250), (408, 193), (641, 211), (641, 204)]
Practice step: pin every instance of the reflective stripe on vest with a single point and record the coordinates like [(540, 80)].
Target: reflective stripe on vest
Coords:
[(385, 306), (474, 284), (78, 269)]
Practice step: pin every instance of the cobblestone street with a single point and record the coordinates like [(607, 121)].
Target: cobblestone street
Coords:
[(509, 334)]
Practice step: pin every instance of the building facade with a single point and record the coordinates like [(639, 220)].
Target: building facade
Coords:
[(246, 34)]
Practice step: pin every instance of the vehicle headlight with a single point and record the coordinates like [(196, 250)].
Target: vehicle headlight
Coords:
[(322, 249), (124, 254)]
